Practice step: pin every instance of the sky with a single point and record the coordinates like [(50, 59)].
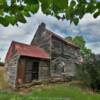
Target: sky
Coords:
[(88, 27)]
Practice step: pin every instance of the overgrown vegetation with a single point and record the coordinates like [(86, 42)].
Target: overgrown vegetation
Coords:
[(89, 73), (3, 83), (52, 92), (89, 70)]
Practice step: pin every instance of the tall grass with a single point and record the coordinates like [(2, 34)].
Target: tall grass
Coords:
[(3, 83), (52, 92), (47, 92)]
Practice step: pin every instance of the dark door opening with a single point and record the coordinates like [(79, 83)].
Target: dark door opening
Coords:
[(35, 70)]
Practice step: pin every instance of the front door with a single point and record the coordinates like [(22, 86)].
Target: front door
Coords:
[(35, 70), (31, 70)]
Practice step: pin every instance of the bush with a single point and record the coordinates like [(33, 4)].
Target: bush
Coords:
[(89, 73)]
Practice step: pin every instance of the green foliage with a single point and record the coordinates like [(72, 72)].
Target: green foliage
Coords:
[(17, 12), (85, 52), (89, 70), (89, 73), (73, 11), (79, 40), (52, 92)]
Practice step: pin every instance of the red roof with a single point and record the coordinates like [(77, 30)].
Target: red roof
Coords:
[(28, 50)]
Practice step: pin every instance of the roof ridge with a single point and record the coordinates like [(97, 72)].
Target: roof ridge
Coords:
[(15, 42), (56, 35)]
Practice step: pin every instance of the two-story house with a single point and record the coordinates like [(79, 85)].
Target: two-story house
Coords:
[(49, 56)]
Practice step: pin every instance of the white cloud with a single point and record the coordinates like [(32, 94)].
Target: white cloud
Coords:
[(95, 46), (88, 18), (88, 27)]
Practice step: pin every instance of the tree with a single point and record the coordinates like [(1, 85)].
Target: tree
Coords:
[(88, 71), (85, 52), (17, 10)]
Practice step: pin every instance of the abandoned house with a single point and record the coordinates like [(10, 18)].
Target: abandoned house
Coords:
[(48, 56)]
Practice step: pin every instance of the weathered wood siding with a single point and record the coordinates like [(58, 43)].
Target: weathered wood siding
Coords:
[(42, 39), (44, 70), (63, 59), (11, 70), (59, 48), (28, 70), (56, 47), (21, 71), (25, 69), (63, 56)]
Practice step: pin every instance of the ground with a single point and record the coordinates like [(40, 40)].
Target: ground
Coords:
[(61, 91), (51, 92)]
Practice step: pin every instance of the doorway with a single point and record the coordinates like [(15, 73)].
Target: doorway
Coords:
[(35, 70), (31, 70)]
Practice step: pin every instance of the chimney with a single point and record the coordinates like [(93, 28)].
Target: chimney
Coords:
[(42, 25)]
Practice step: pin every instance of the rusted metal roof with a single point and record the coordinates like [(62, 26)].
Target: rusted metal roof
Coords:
[(27, 50), (31, 51)]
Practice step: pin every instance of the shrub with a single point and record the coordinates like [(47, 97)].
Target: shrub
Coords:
[(89, 73)]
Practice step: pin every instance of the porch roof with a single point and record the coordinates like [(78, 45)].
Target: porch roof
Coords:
[(30, 51)]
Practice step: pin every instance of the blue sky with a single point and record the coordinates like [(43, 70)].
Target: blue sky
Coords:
[(88, 27)]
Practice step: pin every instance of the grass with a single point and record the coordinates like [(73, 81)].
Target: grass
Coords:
[(46, 92), (52, 92)]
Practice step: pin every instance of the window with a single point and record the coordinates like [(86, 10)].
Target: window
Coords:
[(56, 46), (59, 67)]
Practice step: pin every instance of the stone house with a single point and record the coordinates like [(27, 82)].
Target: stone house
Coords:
[(49, 56)]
